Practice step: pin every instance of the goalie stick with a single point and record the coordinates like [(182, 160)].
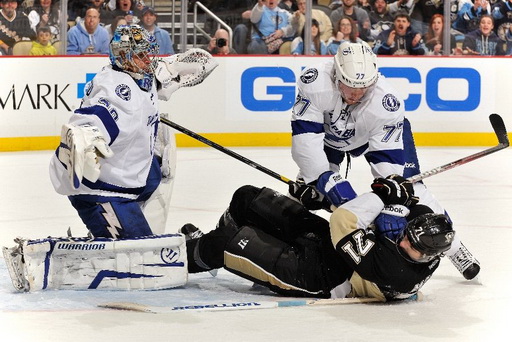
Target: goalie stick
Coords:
[(496, 121), (234, 306)]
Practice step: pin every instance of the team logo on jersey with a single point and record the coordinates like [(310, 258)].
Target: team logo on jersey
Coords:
[(124, 92), (309, 76), (390, 103)]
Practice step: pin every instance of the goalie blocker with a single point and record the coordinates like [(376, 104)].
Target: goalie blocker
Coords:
[(147, 263)]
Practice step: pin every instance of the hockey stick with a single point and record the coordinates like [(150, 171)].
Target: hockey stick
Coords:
[(234, 306), (496, 121), (226, 151), (501, 133)]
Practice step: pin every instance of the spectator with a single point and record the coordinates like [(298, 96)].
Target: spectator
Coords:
[(219, 44), (14, 26), (106, 16), (127, 9), (400, 39), (508, 40), (268, 20), (502, 14), (88, 37), (318, 47), (42, 46), (380, 18), (360, 16), (422, 13), (299, 18), (434, 37), (163, 39), (289, 5), (76, 9), (118, 21), (335, 4), (364, 4), (346, 30), (241, 31), (469, 15), (45, 13), (483, 41), (403, 6)]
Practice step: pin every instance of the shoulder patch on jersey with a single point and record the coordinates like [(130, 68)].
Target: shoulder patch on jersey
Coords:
[(309, 76), (124, 92), (390, 103)]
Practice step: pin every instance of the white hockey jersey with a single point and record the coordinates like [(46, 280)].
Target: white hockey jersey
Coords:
[(321, 118), (128, 118)]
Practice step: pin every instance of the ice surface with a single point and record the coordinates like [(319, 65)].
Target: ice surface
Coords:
[(478, 196)]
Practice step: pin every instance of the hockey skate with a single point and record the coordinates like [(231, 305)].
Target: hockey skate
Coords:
[(192, 232), (16, 265), (465, 262)]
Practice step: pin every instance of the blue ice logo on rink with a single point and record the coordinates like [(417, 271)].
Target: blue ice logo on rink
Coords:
[(273, 88)]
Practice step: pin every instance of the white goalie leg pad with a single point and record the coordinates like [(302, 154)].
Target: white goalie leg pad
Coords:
[(146, 263), (13, 258), (156, 208)]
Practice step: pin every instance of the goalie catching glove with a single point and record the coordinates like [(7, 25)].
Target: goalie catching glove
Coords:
[(183, 70), (79, 149), (395, 189)]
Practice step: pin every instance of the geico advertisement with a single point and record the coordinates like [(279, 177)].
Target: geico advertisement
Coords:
[(256, 94)]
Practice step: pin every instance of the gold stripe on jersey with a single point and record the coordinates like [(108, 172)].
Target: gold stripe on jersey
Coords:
[(342, 223), (364, 288)]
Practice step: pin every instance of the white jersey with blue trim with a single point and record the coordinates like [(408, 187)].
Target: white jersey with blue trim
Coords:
[(128, 119), (320, 117)]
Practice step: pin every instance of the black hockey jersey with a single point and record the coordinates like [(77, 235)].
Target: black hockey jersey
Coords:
[(376, 259)]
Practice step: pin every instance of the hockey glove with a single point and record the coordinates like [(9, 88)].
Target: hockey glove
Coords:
[(79, 150), (307, 195), (336, 189), (391, 221), (165, 84), (394, 189)]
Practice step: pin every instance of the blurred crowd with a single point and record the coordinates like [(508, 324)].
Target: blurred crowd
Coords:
[(391, 27)]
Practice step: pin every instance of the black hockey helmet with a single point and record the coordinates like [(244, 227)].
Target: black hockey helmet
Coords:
[(430, 234)]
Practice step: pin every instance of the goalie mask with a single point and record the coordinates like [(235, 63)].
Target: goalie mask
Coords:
[(430, 234), (133, 49)]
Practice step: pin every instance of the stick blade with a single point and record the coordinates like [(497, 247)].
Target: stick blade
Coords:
[(499, 128), (127, 306)]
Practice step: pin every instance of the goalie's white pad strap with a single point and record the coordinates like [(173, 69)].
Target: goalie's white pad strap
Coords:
[(147, 263)]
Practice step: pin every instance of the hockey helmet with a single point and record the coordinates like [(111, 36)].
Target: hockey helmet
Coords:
[(356, 65), (133, 40), (430, 234)]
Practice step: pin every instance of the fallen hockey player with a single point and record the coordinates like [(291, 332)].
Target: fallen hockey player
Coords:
[(270, 239)]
